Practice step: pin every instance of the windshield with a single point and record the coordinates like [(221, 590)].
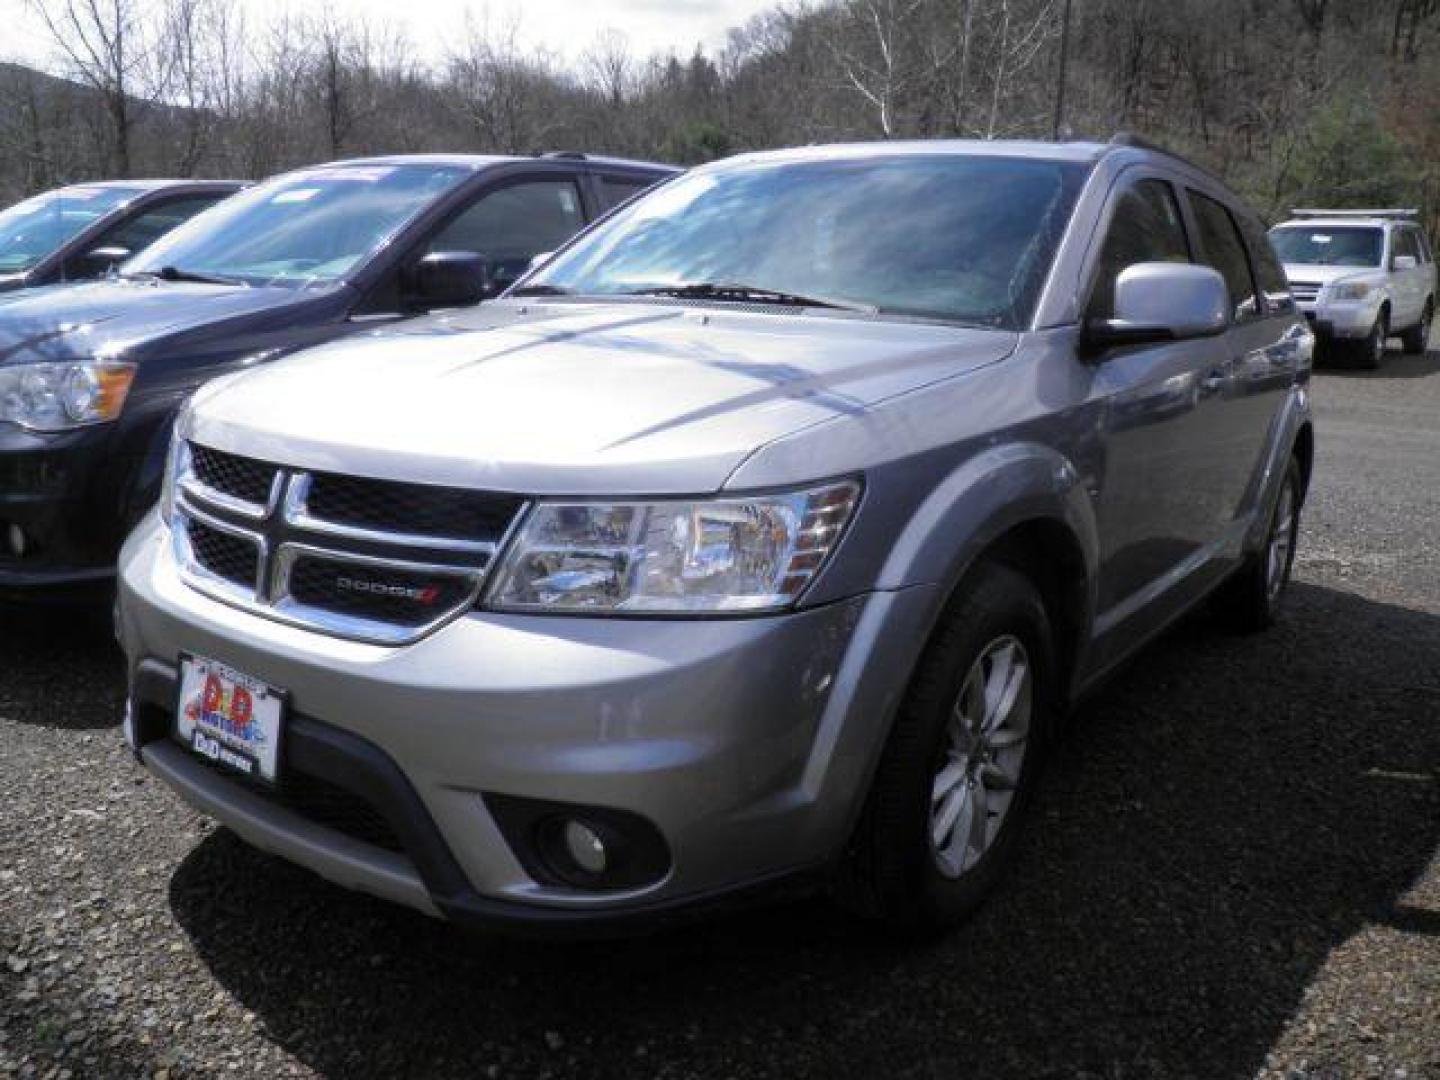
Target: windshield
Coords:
[(959, 238), (305, 228), (32, 229), (1316, 246)]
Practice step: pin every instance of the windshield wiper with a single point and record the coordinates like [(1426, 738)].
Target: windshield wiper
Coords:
[(542, 290), (734, 292), (174, 273)]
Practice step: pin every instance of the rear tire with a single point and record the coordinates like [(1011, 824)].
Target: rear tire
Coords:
[(1417, 339), (958, 770), (1372, 349), (1252, 598)]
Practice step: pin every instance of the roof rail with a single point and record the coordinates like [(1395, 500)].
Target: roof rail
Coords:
[(1139, 142), (1399, 214), (565, 155)]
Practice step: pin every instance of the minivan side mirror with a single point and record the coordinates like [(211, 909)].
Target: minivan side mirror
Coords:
[(97, 261), (1404, 262), (1159, 302), (451, 279)]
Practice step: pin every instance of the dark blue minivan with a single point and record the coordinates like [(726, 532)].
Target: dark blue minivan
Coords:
[(91, 375)]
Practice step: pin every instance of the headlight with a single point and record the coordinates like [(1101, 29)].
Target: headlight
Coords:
[(673, 557), (1351, 290), (57, 397)]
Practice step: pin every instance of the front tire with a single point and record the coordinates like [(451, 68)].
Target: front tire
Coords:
[(1372, 349), (1251, 600), (959, 768), (1417, 339)]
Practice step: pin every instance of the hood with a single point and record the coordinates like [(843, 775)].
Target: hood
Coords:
[(1313, 274), (566, 398), (65, 322)]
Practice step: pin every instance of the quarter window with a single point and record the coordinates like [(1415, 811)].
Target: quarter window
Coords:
[(1145, 227), (1225, 251), (511, 226)]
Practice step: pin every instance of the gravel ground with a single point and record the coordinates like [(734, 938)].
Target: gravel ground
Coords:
[(1234, 873)]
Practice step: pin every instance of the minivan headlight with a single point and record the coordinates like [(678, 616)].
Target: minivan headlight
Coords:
[(60, 396), (747, 554)]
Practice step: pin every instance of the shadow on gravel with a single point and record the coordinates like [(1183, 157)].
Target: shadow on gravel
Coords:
[(1223, 816), (61, 667), (1396, 365)]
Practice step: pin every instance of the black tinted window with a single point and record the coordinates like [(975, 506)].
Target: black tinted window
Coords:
[(1404, 244), (1225, 252), (619, 189), (1145, 227), (513, 225), (142, 230), (1269, 274)]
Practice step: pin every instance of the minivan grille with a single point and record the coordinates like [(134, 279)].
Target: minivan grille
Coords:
[(370, 559), (233, 558), (454, 513), (230, 474), (1305, 291)]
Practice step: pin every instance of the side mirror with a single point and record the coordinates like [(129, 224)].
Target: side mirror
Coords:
[(98, 261), (451, 279), (1160, 302), (1404, 262)]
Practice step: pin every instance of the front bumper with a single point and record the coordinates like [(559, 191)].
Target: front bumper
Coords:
[(1350, 319), (65, 493), (748, 743)]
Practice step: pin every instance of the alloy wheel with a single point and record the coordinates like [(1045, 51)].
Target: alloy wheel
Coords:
[(1282, 543), (986, 737)]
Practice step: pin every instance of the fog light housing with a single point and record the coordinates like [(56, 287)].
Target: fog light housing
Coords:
[(594, 848)]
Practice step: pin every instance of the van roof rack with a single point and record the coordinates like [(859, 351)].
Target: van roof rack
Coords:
[(1389, 214)]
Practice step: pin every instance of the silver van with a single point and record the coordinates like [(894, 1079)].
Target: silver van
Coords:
[(758, 539)]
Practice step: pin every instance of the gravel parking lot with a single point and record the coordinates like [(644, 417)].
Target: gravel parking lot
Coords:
[(1234, 872)]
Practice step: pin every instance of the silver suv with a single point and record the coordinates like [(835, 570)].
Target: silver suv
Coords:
[(1361, 276), (760, 538)]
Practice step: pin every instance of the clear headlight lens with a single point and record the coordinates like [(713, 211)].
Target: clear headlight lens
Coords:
[(673, 557), (1350, 290), (57, 397)]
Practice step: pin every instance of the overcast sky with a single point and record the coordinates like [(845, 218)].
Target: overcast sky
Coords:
[(565, 26)]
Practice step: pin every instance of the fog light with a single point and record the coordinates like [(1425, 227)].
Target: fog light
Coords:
[(583, 844), (18, 542)]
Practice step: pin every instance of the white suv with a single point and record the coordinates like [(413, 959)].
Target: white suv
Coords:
[(1360, 276)]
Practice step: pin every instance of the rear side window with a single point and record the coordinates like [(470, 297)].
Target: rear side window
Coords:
[(153, 222), (618, 189), (1426, 253), (1225, 251), (514, 224), (1405, 244), (1269, 274), (1145, 227)]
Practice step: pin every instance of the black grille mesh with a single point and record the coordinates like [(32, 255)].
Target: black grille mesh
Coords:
[(323, 803), (401, 597), (226, 556), (239, 477), (421, 509)]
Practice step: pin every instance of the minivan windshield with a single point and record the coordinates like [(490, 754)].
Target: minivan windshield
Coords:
[(1314, 245), (953, 237), (304, 228), (32, 229)]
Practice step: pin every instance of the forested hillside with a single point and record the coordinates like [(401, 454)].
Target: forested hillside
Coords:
[(1294, 101)]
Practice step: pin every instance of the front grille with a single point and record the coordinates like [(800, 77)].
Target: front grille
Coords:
[(364, 558), (417, 509), (1305, 291), (230, 474), (233, 558), (385, 594)]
